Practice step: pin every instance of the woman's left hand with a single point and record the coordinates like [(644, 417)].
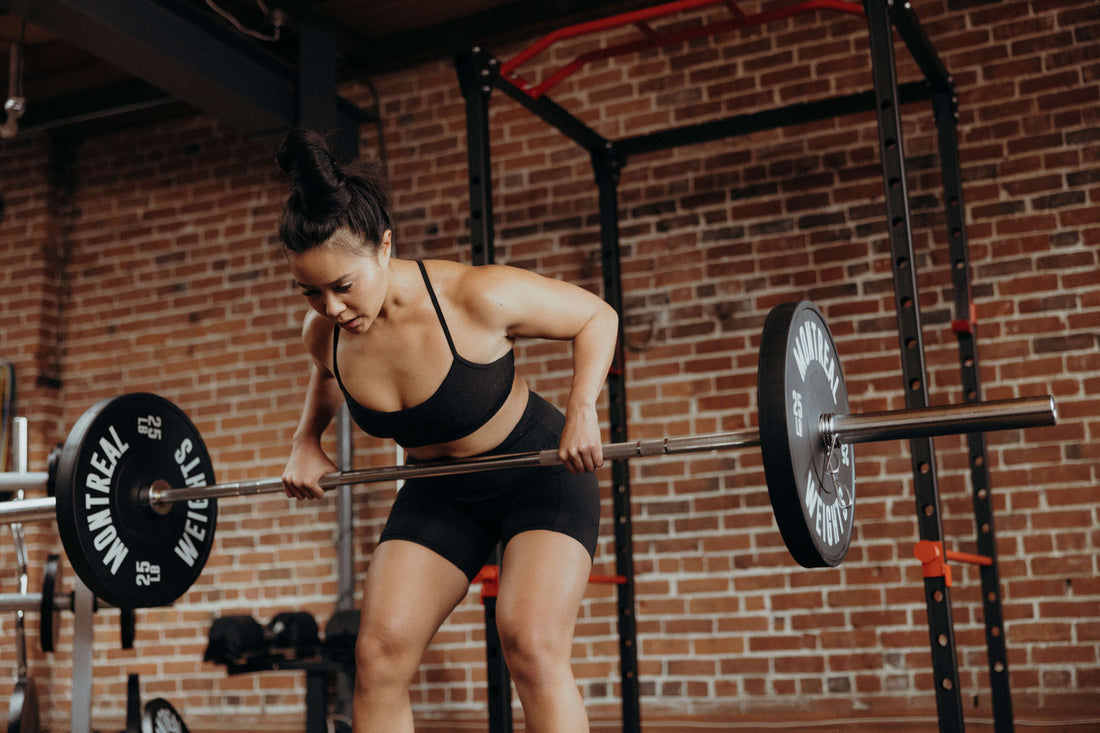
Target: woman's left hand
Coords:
[(580, 449)]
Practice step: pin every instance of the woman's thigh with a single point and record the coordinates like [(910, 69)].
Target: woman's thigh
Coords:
[(409, 591), (542, 581)]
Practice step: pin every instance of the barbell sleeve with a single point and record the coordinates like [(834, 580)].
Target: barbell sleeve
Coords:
[(927, 422)]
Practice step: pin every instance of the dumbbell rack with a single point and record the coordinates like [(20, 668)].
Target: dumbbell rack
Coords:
[(479, 73)]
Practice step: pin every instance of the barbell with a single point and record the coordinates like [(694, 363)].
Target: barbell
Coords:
[(135, 499)]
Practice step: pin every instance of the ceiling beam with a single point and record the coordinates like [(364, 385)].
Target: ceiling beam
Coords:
[(510, 21), (182, 51)]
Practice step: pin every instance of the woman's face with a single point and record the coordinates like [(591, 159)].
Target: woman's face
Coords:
[(344, 280)]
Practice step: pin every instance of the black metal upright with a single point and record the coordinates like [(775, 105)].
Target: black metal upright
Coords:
[(964, 325), (911, 342), (478, 74), (476, 92), (884, 17), (607, 165)]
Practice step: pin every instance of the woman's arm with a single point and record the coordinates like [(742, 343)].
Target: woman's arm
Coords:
[(308, 461), (527, 305)]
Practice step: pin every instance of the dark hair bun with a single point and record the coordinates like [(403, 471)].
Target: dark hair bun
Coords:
[(318, 182), (329, 195)]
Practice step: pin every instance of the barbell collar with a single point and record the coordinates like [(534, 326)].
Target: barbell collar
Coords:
[(929, 422)]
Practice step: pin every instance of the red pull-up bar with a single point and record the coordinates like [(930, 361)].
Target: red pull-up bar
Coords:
[(653, 38)]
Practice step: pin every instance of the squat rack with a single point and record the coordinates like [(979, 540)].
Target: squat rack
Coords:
[(479, 72)]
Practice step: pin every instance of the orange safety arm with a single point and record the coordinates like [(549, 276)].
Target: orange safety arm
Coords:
[(934, 557), (489, 577)]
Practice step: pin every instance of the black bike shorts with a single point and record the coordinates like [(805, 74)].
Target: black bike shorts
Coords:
[(463, 516)]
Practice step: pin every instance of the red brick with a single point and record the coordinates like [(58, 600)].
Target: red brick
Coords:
[(173, 285)]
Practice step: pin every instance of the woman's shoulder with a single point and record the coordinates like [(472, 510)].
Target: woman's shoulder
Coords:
[(462, 281)]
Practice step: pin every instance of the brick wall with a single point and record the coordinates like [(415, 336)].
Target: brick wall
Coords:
[(148, 265)]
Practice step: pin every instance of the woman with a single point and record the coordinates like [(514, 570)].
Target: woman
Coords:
[(422, 353)]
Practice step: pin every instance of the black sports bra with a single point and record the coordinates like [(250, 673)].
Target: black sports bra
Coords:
[(468, 397)]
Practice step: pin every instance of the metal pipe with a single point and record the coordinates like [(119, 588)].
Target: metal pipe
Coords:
[(20, 451), (32, 480), (345, 518), (20, 601), (33, 602), (28, 510)]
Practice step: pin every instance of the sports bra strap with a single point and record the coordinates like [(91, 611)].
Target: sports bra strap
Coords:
[(438, 311)]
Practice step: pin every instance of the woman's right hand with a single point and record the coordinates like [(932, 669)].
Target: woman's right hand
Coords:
[(304, 469)]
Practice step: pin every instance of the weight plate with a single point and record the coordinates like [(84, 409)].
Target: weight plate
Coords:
[(49, 616), (812, 490), (128, 554), (160, 717)]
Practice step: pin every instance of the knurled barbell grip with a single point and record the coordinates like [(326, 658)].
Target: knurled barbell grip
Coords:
[(162, 495)]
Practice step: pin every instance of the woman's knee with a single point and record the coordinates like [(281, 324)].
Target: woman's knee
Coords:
[(383, 657), (536, 655)]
